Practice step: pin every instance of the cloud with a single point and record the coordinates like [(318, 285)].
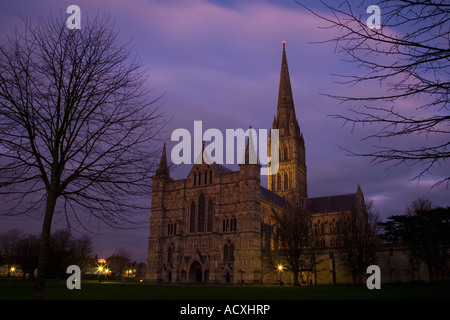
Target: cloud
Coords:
[(219, 62)]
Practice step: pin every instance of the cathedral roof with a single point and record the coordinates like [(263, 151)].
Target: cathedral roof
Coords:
[(344, 202), (222, 169), (268, 195)]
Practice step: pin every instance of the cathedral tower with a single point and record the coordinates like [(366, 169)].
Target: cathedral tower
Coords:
[(290, 180)]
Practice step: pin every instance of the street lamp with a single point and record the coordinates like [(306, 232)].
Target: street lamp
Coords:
[(11, 270), (107, 271), (102, 270), (280, 269)]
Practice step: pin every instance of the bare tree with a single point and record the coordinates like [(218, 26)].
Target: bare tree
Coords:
[(296, 241), (28, 253), (82, 249), (358, 236), (410, 57), (76, 126), (426, 230), (419, 205), (9, 246)]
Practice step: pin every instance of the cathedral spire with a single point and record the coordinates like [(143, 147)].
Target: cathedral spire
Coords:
[(163, 169), (250, 156), (285, 100), (290, 181)]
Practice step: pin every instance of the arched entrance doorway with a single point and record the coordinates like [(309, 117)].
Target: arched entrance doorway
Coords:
[(195, 272), (228, 278)]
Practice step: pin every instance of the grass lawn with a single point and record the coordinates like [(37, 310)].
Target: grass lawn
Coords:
[(109, 290)]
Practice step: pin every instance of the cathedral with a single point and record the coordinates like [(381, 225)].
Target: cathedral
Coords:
[(214, 226)]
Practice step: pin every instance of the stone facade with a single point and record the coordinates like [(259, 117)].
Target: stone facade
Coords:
[(207, 228), (215, 226)]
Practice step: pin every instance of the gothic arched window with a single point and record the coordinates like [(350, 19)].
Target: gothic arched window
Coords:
[(192, 218), (170, 255), (231, 253), (333, 227), (285, 156), (286, 181), (229, 224), (278, 181), (225, 253), (171, 228), (201, 214), (209, 221), (233, 224), (228, 252)]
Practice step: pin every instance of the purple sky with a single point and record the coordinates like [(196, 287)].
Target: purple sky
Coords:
[(220, 63)]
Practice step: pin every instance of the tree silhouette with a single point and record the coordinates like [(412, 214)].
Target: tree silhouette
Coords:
[(296, 241), (409, 57), (76, 126), (358, 236), (426, 230)]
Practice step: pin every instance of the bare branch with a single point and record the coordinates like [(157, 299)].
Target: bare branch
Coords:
[(408, 59), (76, 123)]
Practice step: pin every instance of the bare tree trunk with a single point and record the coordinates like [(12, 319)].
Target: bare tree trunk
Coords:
[(296, 283), (44, 247), (315, 274), (333, 266)]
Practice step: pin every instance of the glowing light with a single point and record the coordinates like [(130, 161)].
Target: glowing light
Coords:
[(13, 269), (284, 41), (280, 269)]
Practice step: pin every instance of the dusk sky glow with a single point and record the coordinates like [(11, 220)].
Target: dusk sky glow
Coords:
[(219, 62)]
